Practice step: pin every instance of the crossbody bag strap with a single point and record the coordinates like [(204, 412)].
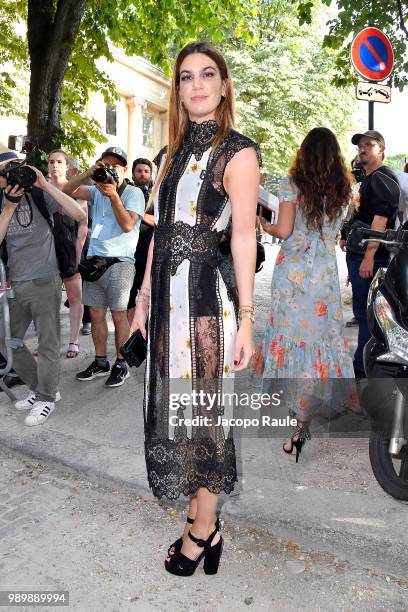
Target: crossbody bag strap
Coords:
[(122, 188), (42, 207)]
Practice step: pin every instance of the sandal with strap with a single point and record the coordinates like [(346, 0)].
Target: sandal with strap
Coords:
[(73, 350), (176, 546), (180, 565), (302, 433)]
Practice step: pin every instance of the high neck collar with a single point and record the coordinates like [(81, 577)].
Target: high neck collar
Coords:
[(200, 135)]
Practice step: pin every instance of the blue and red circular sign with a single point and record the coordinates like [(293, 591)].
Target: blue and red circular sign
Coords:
[(372, 54)]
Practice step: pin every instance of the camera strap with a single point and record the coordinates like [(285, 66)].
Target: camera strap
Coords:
[(13, 198), (36, 197), (122, 188), (3, 245)]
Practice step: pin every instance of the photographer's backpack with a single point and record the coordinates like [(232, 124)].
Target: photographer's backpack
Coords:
[(3, 246)]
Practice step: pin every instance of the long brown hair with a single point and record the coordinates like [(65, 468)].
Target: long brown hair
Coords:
[(178, 116), (319, 171)]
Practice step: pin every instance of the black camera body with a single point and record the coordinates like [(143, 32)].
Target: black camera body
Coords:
[(358, 172), (17, 173), (105, 175)]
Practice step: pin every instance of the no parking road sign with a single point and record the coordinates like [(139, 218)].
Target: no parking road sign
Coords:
[(372, 54)]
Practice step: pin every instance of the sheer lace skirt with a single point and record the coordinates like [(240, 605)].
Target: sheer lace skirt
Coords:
[(191, 350)]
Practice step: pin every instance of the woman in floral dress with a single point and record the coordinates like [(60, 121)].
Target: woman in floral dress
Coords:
[(303, 338)]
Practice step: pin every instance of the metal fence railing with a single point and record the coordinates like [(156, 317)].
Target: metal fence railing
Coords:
[(6, 293)]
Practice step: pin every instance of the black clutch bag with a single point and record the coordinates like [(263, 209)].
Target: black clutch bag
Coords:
[(134, 350)]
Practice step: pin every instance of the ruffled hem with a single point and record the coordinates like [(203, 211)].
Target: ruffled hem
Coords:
[(280, 358)]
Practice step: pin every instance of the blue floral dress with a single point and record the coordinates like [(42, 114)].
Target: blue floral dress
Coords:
[(303, 338)]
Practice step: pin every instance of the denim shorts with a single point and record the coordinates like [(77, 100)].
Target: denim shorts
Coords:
[(112, 289)]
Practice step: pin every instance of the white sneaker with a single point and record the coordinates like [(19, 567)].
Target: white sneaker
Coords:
[(39, 413), (29, 401)]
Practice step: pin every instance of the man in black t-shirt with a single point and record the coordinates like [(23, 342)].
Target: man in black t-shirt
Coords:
[(142, 177), (379, 197)]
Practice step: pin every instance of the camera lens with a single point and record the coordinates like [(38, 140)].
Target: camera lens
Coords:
[(23, 176), (101, 175)]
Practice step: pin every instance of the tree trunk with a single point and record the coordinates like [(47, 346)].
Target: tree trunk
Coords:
[(51, 36)]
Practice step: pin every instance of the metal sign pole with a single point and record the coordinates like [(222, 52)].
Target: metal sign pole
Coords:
[(371, 115), (372, 56)]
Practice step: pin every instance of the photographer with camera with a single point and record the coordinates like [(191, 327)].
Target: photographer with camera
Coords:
[(108, 270), (28, 202)]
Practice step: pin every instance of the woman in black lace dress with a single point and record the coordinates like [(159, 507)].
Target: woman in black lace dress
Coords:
[(208, 173)]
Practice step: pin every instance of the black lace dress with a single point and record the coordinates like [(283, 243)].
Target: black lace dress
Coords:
[(192, 324)]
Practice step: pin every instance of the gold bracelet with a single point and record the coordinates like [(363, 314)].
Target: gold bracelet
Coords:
[(246, 314)]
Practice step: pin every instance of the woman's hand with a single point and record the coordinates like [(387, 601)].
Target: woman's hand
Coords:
[(140, 318), (41, 181), (244, 346), (266, 226), (89, 172)]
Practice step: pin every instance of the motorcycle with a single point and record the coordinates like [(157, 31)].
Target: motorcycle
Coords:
[(386, 364)]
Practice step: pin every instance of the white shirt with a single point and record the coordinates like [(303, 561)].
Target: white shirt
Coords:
[(403, 201)]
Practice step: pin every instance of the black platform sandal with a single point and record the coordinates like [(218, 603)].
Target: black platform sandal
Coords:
[(180, 565), (302, 433), (176, 546)]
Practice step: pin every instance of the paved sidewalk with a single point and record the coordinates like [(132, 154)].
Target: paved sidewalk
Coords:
[(330, 495)]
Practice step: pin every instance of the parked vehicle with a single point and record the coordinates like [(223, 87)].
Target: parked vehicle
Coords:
[(386, 364)]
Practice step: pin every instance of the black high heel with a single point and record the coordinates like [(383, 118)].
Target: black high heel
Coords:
[(180, 565), (302, 433)]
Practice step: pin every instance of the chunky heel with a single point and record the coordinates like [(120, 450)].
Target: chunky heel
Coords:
[(180, 565), (212, 558)]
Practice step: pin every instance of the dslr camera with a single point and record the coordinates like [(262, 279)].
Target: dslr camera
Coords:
[(105, 175), (17, 172)]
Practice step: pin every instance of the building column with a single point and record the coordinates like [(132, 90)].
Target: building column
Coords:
[(163, 128), (135, 107)]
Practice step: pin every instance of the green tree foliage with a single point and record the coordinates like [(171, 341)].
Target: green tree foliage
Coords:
[(284, 84), (148, 29), (13, 58), (397, 161), (353, 16)]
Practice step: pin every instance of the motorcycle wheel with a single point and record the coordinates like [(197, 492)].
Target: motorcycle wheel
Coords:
[(390, 472)]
